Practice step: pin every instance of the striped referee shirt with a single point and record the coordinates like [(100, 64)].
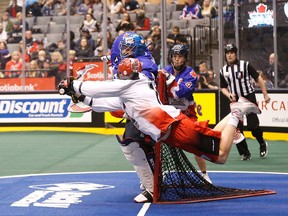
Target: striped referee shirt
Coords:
[(237, 78)]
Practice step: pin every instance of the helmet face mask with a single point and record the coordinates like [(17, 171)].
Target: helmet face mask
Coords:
[(129, 68), (132, 45)]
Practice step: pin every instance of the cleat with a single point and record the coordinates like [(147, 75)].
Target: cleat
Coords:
[(263, 149), (246, 156), (144, 197), (238, 137), (206, 177), (246, 101)]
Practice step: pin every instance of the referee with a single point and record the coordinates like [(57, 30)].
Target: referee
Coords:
[(235, 81)]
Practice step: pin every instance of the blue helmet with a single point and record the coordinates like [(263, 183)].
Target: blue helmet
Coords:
[(132, 45)]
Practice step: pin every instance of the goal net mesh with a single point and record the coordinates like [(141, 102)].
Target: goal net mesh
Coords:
[(177, 181)]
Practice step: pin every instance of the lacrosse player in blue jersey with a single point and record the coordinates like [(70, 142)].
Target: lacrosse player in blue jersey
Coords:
[(181, 81), (137, 147)]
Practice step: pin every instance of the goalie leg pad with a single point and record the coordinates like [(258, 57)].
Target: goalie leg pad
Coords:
[(137, 157)]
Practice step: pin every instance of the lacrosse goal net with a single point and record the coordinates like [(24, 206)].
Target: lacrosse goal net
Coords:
[(177, 181)]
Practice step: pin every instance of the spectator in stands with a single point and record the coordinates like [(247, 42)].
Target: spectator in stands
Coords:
[(5, 55), (7, 23), (142, 22), (203, 72), (156, 35), (100, 44), (207, 81), (34, 10), (40, 46), (31, 43), (84, 8), (46, 71), (116, 7), (208, 10), (16, 35), (61, 47), (131, 5), (125, 24), (86, 33), (13, 9), (60, 8), (270, 72), (97, 8), (3, 33), (48, 8), (84, 50), (19, 16), (175, 37), (14, 66), (154, 48), (191, 11), (33, 70), (90, 23), (58, 65), (42, 57)]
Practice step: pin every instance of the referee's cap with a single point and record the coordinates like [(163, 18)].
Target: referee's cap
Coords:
[(231, 48)]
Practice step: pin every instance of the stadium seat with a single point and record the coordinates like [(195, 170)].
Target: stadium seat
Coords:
[(12, 47)]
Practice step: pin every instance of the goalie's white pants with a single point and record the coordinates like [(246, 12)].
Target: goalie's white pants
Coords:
[(136, 156)]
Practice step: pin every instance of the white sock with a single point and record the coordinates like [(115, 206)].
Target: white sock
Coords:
[(233, 120)]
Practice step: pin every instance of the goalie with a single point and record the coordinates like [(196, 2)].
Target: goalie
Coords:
[(134, 93)]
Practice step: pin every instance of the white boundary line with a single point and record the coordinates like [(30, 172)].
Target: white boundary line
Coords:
[(92, 172), (144, 209)]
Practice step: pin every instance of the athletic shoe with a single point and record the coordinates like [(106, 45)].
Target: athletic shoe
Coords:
[(206, 177), (242, 108), (263, 149), (246, 156), (238, 136), (144, 197), (244, 100)]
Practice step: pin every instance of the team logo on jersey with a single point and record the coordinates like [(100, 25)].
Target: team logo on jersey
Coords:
[(193, 73), (239, 75), (189, 84)]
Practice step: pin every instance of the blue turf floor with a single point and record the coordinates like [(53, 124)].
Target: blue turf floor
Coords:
[(112, 193)]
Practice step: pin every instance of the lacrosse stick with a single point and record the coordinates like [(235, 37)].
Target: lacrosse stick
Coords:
[(76, 106)]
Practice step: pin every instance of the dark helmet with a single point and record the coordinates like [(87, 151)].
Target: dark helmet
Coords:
[(231, 48), (179, 49)]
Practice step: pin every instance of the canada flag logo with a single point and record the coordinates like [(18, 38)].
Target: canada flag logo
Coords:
[(260, 17)]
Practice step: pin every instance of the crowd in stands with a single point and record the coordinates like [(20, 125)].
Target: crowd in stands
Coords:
[(86, 41)]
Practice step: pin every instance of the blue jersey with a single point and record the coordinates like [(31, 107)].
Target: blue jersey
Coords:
[(182, 92), (149, 67)]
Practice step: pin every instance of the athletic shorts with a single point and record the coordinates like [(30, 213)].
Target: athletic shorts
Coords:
[(195, 137)]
